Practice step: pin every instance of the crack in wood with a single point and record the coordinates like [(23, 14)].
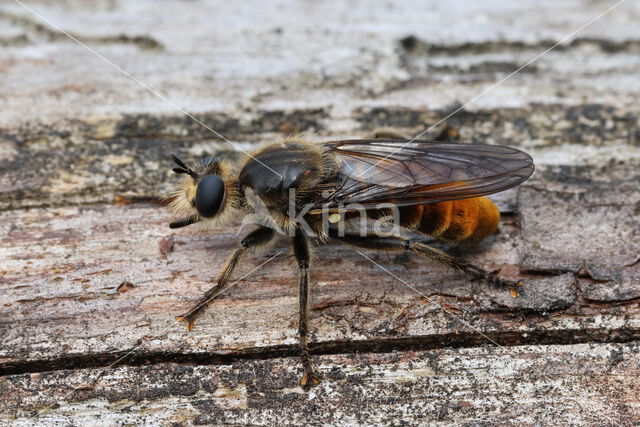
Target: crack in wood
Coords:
[(52, 34), (414, 45), (458, 339)]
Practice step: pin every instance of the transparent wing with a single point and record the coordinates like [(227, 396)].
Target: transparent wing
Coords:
[(417, 172)]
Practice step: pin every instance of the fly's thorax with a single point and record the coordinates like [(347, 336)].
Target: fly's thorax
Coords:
[(294, 172)]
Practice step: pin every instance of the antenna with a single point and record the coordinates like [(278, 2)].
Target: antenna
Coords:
[(183, 168)]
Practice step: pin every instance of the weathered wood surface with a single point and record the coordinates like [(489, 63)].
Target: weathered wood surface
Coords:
[(466, 386), (86, 282)]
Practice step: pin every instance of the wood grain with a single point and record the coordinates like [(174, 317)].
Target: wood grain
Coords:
[(574, 384), (91, 277)]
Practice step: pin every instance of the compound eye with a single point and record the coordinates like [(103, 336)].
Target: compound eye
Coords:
[(209, 195)]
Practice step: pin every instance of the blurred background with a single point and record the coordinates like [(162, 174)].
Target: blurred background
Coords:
[(106, 69)]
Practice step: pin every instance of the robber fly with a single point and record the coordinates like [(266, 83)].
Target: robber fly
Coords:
[(436, 188)]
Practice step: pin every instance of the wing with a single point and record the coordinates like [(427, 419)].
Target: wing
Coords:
[(409, 173)]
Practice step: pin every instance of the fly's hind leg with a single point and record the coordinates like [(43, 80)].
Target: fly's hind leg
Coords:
[(474, 271), (443, 133), (255, 239), (399, 243), (388, 133), (301, 250)]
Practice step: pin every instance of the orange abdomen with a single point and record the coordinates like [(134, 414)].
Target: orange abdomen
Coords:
[(464, 221)]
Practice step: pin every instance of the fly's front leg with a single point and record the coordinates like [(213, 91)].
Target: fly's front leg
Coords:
[(253, 240), (301, 250), (399, 243)]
